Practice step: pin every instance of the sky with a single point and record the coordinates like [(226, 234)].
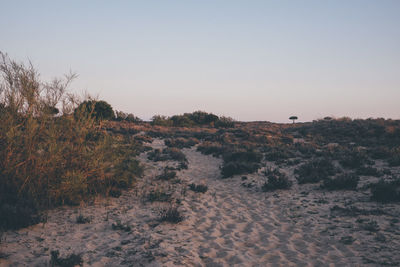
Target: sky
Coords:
[(250, 60)]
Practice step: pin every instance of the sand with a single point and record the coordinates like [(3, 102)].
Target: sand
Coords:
[(232, 224)]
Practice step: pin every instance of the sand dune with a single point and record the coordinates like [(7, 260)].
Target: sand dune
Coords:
[(229, 225)]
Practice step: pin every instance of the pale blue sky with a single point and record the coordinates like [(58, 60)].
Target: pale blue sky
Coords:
[(251, 60)]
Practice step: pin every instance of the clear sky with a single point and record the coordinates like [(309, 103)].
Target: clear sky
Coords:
[(251, 60)]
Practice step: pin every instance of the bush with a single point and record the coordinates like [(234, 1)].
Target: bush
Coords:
[(276, 180), (345, 181), (129, 117), (81, 219), (355, 160), (225, 122), (170, 214), (69, 261), (158, 195), (240, 162), (100, 110), (208, 148), (181, 142), (314, 171), (368, 171), (394, 161), (198, 188), (167, 175), (167, 154), (232, 168), (385, 192)]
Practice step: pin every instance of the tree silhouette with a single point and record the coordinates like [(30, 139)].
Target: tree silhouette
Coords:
[(293, 118)]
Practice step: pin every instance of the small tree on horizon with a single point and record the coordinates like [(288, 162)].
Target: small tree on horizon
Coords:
[(293, 118)]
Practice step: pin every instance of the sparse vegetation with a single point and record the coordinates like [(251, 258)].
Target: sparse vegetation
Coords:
[(68, 261), (314, 171), (240, 162), (119, 226), (345, 181), (81, 219), (200, 188), (167, 175), (275, 180), (170, 214), (386, 191)]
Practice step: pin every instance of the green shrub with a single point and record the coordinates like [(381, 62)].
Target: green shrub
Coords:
[(240, 162), (167, 175), (232, 168), (276, 180), (345, 181), (198, 188), (170, 214), (100, 110), (158, 195), (167, 154), (314, 171), (68, 261), (385, 191), (181, 142)]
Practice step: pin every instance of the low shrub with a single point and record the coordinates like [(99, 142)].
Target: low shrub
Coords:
[(277, 153), (167, 175), (158, 195), (354, 160), (385, 191), (181, 142), (240, 162), (232, 168), (119, 226), (167, 154), (394, 161), (371, 226), (198, 188), (209, 148), (314, 171), (81, 219), (345, 181), (68, 261), (170, 214), (276, 180), (369, 171)]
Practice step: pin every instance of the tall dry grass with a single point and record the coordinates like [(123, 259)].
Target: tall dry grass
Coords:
[(48, 156)]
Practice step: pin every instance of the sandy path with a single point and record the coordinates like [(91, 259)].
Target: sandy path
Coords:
[(229, 225)]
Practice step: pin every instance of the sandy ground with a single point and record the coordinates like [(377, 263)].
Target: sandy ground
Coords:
[(232, 224)]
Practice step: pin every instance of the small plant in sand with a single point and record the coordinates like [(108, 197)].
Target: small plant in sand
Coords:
[(167, 175), (198, 188), (119, 226), (371, 226), (68, 261), (386, 191), (158, 195), (345, 181), (81, 219), (170, 214), (276, 180)]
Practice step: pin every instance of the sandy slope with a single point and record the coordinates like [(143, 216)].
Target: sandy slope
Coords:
[(229, 225)]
